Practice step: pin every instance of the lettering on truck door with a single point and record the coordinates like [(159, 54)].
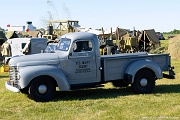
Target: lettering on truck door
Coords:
[(82, 62)]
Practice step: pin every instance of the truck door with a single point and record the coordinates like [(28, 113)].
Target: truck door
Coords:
[(82, 62)]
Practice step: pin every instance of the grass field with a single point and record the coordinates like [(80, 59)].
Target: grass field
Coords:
[(100, 103), (166, 35), (104, 103)]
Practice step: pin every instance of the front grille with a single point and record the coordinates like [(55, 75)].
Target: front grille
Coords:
[(13, 74)]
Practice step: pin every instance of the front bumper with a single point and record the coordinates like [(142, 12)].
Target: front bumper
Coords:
[(11, 88)]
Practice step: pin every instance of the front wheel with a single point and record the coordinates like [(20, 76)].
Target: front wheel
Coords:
[(144, 81), (42, 89), (24, 90)]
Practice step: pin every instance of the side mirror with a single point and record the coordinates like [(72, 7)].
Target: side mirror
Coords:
[(70, 54)]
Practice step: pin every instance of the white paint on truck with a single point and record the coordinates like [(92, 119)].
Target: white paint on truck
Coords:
[(35, 45)]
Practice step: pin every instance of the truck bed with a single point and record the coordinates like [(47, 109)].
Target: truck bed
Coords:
[(115, 65)]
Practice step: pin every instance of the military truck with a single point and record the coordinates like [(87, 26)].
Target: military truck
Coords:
[(60, 27), (22, 46), (76, 63)]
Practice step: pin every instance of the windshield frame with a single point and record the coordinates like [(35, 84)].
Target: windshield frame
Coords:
[(51, 48), (63, 44)]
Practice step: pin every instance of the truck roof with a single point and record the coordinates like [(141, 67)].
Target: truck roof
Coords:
[(79, 35), (27, 39)]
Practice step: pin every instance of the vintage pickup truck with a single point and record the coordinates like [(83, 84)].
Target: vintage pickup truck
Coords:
[(76, 63)]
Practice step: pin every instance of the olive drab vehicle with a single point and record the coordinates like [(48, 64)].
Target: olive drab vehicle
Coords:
[(137, 41), (58, 28)]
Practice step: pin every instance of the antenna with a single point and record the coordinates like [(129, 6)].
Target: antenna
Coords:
[(66, 11), (50, 3)]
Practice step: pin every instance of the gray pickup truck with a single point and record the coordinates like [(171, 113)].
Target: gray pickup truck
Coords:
[(76, 63)]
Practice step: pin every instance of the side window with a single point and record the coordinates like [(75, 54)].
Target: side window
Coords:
[(81, 46), (23, 45)]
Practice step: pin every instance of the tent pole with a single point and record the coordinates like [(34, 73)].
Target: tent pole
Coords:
[(102, 33), (111, 34), (144, 41)]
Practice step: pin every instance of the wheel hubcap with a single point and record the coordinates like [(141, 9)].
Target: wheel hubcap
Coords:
[(42, 89), (143, 82)]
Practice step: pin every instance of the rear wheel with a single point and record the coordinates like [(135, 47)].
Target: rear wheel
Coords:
[(42, 89), (144, 81)]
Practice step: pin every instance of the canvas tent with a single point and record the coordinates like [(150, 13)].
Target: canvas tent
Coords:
[(148, 39), (115, 33), (11, 34), (2, 37), (2, 40), (33, 34), (149, 35)]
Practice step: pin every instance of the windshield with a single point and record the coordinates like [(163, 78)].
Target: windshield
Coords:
[(51, 48), (64, 44)]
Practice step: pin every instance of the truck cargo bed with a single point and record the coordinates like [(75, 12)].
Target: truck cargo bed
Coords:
[(115, 65)]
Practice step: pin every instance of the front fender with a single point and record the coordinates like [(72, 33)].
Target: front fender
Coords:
[(135, 66), (30, 72)]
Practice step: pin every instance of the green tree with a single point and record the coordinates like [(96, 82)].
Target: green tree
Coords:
[(173, 32)]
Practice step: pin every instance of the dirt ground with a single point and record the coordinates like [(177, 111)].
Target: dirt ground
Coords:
[(174, 47)]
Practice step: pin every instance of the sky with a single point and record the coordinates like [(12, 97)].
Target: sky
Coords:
[(161, 15)]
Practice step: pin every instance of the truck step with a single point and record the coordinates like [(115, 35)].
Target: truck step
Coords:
[(83, 86)]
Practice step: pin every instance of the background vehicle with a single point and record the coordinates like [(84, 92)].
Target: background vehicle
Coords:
[(160, 36), (22, 46), (59, 27)]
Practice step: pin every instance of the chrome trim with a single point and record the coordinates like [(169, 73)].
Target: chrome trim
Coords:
[(13, 75), (11, 88)]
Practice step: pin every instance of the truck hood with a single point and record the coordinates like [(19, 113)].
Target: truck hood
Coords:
[(35, 59)]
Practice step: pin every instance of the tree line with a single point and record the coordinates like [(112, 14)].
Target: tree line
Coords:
[(172, 32)]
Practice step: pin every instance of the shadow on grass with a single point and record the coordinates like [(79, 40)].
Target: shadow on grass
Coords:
[(97, 93), (100, 93), (2, 76), (175, 88)]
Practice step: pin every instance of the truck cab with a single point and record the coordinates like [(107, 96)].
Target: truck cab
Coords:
[(83, 58)]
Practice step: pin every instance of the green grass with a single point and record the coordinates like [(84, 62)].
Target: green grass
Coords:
[(96, 104), (164, 43), (163, 48), (166, 35)]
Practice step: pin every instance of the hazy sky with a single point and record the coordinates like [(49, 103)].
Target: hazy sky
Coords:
[(161, 15)]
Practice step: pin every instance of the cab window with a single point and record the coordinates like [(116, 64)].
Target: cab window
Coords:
[(81, 46)]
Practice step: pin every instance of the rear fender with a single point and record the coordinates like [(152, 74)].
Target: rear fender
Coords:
[(28, 73), (135, 66)]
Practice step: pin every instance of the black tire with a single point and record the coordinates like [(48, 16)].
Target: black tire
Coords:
[(144, 82), (24, 90), (47, 93), (119, 83), (7, 62)]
